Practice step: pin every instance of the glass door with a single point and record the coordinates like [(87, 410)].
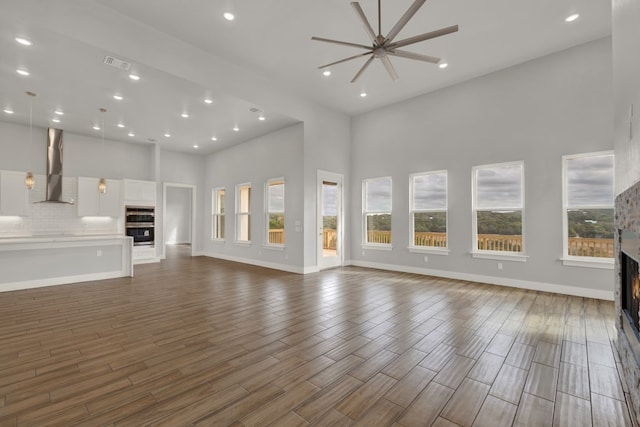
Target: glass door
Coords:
[(329, 220)]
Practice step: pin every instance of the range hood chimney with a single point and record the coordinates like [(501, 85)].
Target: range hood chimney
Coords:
[(54, 167)]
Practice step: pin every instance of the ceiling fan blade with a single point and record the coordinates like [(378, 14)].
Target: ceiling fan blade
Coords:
[(361, 46), (364, 21), (411, 55), (346, 59), (364, 67), (387, 64), (405, 18), (423, 37)]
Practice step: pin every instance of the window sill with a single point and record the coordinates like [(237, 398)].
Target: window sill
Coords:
[(218, 241), (602, 263), (241, 243), (377, 247), (500, 256), (429, 250), (272, 247)]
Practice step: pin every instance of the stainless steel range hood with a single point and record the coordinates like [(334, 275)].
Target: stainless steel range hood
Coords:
[(54, 167)]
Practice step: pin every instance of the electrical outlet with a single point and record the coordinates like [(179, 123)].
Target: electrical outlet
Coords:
[(426, 258), (499, 266)]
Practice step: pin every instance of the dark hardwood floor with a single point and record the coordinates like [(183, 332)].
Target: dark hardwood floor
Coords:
[(199, 341)]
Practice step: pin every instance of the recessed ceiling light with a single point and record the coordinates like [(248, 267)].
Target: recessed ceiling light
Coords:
[(59, 112), (229, 16), (131, 134), (443, 65), (208, 101), (134, 77), (120, 125), (185, 115), (54, 120), (236, 128), (262, 118), (213, 138), (363, 94), (8, 110), (195, 146), (96, 127), (572, 18), (22, 72), (167, 135), (23, 41), (118, 97), (326, 73)]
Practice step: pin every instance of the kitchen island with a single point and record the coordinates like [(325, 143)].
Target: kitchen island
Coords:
[(36, 261)]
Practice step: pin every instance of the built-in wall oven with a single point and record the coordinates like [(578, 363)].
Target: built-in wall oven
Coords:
[(140, 224)]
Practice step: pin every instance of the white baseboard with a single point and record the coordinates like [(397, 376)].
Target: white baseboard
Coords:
[(272, 265), (55, 281), (501, 281), (146, 260)]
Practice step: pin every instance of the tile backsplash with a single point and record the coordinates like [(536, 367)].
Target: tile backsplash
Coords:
[(56, 218)]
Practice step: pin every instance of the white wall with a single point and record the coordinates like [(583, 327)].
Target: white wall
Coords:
[(177, 223), (82, 155), (626, 72), (275, 155), (536, 112)]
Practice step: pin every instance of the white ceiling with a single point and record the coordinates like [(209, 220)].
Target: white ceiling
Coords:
[(272, 38)]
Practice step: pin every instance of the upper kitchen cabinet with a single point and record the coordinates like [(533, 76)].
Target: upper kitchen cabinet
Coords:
[(141, 193), (91, 202), (14, 195)]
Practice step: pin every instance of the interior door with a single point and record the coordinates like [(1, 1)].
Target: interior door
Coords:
[(330, 220)]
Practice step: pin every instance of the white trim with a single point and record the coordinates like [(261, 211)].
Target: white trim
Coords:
[(378, 246), (602, 263), (214, 211), (432, 250), (243, 243), (491, 280), (500, 256), (66, 280), (273, 247), (272, 265), (238, 201), (149, 260)]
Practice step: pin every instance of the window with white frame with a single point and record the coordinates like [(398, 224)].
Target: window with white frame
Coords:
[(588, 196), (217, 222), (429, 210), (243, 213), (498, 208), (275, 211), (377, 211)]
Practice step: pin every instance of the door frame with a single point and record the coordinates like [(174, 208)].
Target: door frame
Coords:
[(193, 189), (339, 179)]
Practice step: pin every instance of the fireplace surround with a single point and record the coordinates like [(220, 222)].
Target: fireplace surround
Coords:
[(627, 290)]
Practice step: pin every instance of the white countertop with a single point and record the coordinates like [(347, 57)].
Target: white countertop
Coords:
[(48, 238)]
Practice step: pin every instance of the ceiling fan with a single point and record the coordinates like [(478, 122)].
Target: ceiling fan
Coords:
[(382, 47)]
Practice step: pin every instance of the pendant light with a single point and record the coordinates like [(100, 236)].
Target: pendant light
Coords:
[(30, 181), (102, 184)]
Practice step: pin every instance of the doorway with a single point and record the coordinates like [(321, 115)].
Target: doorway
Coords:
[(330, 220), (179, 219)]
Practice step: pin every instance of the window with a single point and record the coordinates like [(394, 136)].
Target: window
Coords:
[(588, 195), (243, 213), (428, 210), (377, 211), (498, 206), (217, 223), (275, 211)]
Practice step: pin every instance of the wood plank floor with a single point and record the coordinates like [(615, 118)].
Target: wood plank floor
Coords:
[(198, 341)]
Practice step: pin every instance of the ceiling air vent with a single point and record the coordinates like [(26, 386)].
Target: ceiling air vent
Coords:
[(117, 63), (254, 110)]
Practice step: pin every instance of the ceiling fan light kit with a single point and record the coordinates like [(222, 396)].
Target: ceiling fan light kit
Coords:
[(384, 46)]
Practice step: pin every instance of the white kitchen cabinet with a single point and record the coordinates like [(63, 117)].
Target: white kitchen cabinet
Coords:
[(14, 195), (140, 192), (93, 203)]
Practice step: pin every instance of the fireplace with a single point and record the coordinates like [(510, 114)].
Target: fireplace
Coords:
[(630, 288), (627, 290)]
